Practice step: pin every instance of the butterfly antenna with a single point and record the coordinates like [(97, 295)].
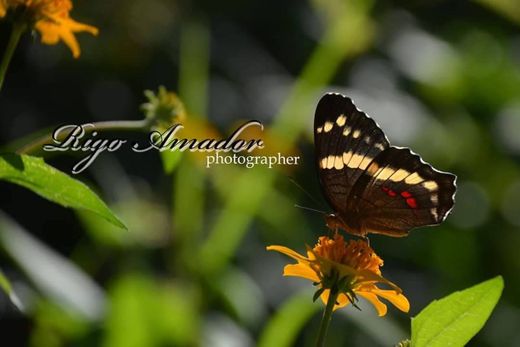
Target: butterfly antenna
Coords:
[(313, 199), (309, 209)]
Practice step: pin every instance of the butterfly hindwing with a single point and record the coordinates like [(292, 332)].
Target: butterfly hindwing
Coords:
[(399, 191), (346, 141)]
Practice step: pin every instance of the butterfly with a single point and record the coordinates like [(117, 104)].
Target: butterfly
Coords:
[(374, 187)]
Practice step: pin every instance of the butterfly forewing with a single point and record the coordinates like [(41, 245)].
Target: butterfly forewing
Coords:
[(372, 187), (346, 141)]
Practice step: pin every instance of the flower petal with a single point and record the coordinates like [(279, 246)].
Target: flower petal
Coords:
[(300, 270), (310, 254), (59, 25), (325, 296), (341, 301), (289, 252), (367, 277), (48, 31), (398, 300), (70, 40), (379, 306), (80, 27)]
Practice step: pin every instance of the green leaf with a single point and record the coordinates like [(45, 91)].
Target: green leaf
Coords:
[(33, 173), (170, 160), (147, 312), (55, 276), (507, 8), (455, 319), (285, 326), (5, 285)]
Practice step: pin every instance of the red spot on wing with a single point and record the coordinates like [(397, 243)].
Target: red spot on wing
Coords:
[(388, 191), (411, 202)]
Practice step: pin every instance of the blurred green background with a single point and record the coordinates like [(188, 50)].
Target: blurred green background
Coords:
[(442, 77)]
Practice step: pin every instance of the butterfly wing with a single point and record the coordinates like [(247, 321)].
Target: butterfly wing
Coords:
[(346, 142), (398, 191)]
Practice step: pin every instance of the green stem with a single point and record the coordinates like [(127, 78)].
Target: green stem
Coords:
[(327, 315), (116, 125), (189, 185), (18, 30)]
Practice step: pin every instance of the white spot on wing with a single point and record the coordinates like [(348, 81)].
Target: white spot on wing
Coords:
[(330, 161), (356, 133), (366, 161), (385, 173), (346, 157), (372, 169), (399, 175), (346, 131), (434, 213), (359, 161), (413, 179), (342, 119), (338, 162), (328, 126), (430, 185)]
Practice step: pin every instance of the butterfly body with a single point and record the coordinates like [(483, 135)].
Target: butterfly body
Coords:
[(374, 187), (336, 222)]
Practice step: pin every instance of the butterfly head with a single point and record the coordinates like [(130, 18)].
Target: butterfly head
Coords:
[(334, 222)]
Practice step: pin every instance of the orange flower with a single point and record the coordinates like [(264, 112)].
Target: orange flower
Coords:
[(352, 266), (51, 19)]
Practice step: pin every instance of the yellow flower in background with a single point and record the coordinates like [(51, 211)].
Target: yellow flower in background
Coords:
[(50, 18), (353, 267)]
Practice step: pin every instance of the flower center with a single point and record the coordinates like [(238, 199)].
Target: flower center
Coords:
[(356, 254)]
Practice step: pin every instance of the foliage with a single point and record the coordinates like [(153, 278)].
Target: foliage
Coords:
[(54, 185), (456, 318)]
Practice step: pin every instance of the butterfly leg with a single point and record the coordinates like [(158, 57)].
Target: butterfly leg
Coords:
[(367, 240)]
